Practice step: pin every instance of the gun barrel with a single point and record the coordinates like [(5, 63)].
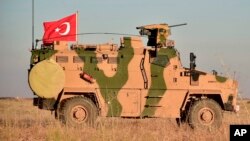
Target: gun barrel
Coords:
[(178, 25)]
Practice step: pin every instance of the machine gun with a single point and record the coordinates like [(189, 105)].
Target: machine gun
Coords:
[(157, 33), (178, 25)]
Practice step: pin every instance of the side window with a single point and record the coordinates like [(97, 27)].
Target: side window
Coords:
[(78, 59), (113, 60), (62, 59), (95, 59)]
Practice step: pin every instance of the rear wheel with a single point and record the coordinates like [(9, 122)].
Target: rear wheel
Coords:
[(78, 111), (205, 114)]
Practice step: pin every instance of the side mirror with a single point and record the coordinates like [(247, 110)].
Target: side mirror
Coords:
[(192, 57), (192, 61)]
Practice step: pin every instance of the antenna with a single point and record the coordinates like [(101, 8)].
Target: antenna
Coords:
[(95, 33), (33, 25), (77, 23), (225, 67)]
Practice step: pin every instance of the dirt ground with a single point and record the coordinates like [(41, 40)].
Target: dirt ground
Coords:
[(21, 121)]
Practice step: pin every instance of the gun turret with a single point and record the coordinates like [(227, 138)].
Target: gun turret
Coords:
[(157, 33)]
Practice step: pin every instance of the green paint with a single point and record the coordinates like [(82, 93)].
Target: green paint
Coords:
[(41, 54), (158, 86), (163, 39), (110, 86), (170, 52), (161, 60), (221, 79)]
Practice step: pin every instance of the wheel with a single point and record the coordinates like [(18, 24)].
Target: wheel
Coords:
[(78, 111), (205, 114)]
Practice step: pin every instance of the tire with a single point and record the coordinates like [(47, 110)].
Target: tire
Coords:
[(205, 114), (78, 111)]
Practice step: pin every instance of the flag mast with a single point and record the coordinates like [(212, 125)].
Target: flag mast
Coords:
[(77, 27), (33, 25)]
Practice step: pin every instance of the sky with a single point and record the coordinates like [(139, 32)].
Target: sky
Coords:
[(217, 31)]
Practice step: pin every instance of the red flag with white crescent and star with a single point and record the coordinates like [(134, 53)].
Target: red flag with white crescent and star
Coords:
[(60, 30)]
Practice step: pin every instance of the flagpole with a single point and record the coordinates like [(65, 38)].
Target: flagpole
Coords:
[(77, 27), (33, 25)]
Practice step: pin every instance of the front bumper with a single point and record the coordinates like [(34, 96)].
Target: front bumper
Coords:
[(44, 103)]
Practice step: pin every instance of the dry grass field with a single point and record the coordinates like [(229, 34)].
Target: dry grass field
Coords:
[(20, 121)]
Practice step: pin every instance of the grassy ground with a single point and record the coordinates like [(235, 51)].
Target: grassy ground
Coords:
[(20, 121)]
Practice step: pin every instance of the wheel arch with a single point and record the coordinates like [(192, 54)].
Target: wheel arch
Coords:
[(71, 110), (193, 97), (90, 95), (205, 114), (64, 96), (216, 97)]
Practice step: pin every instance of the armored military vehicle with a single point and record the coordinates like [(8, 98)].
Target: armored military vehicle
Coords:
[(83, 81)]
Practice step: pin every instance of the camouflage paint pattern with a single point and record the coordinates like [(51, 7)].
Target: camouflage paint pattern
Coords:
[(221, 79), (119, 84), (110, 86), (40, 55), (158, 84)]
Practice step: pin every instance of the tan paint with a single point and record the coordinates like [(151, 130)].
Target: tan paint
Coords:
[(174, 96), (110, 50), (170, 103), (108, 69), (129, 95), (73, 82), (132, 94), (148, 73)]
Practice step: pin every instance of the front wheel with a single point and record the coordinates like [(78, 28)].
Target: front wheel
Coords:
[(205, 114), (78, 111)]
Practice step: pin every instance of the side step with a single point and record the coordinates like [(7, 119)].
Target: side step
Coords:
[(153, 96), (147, 106)]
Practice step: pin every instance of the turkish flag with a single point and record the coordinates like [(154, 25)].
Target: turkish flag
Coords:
[(60, 30)]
